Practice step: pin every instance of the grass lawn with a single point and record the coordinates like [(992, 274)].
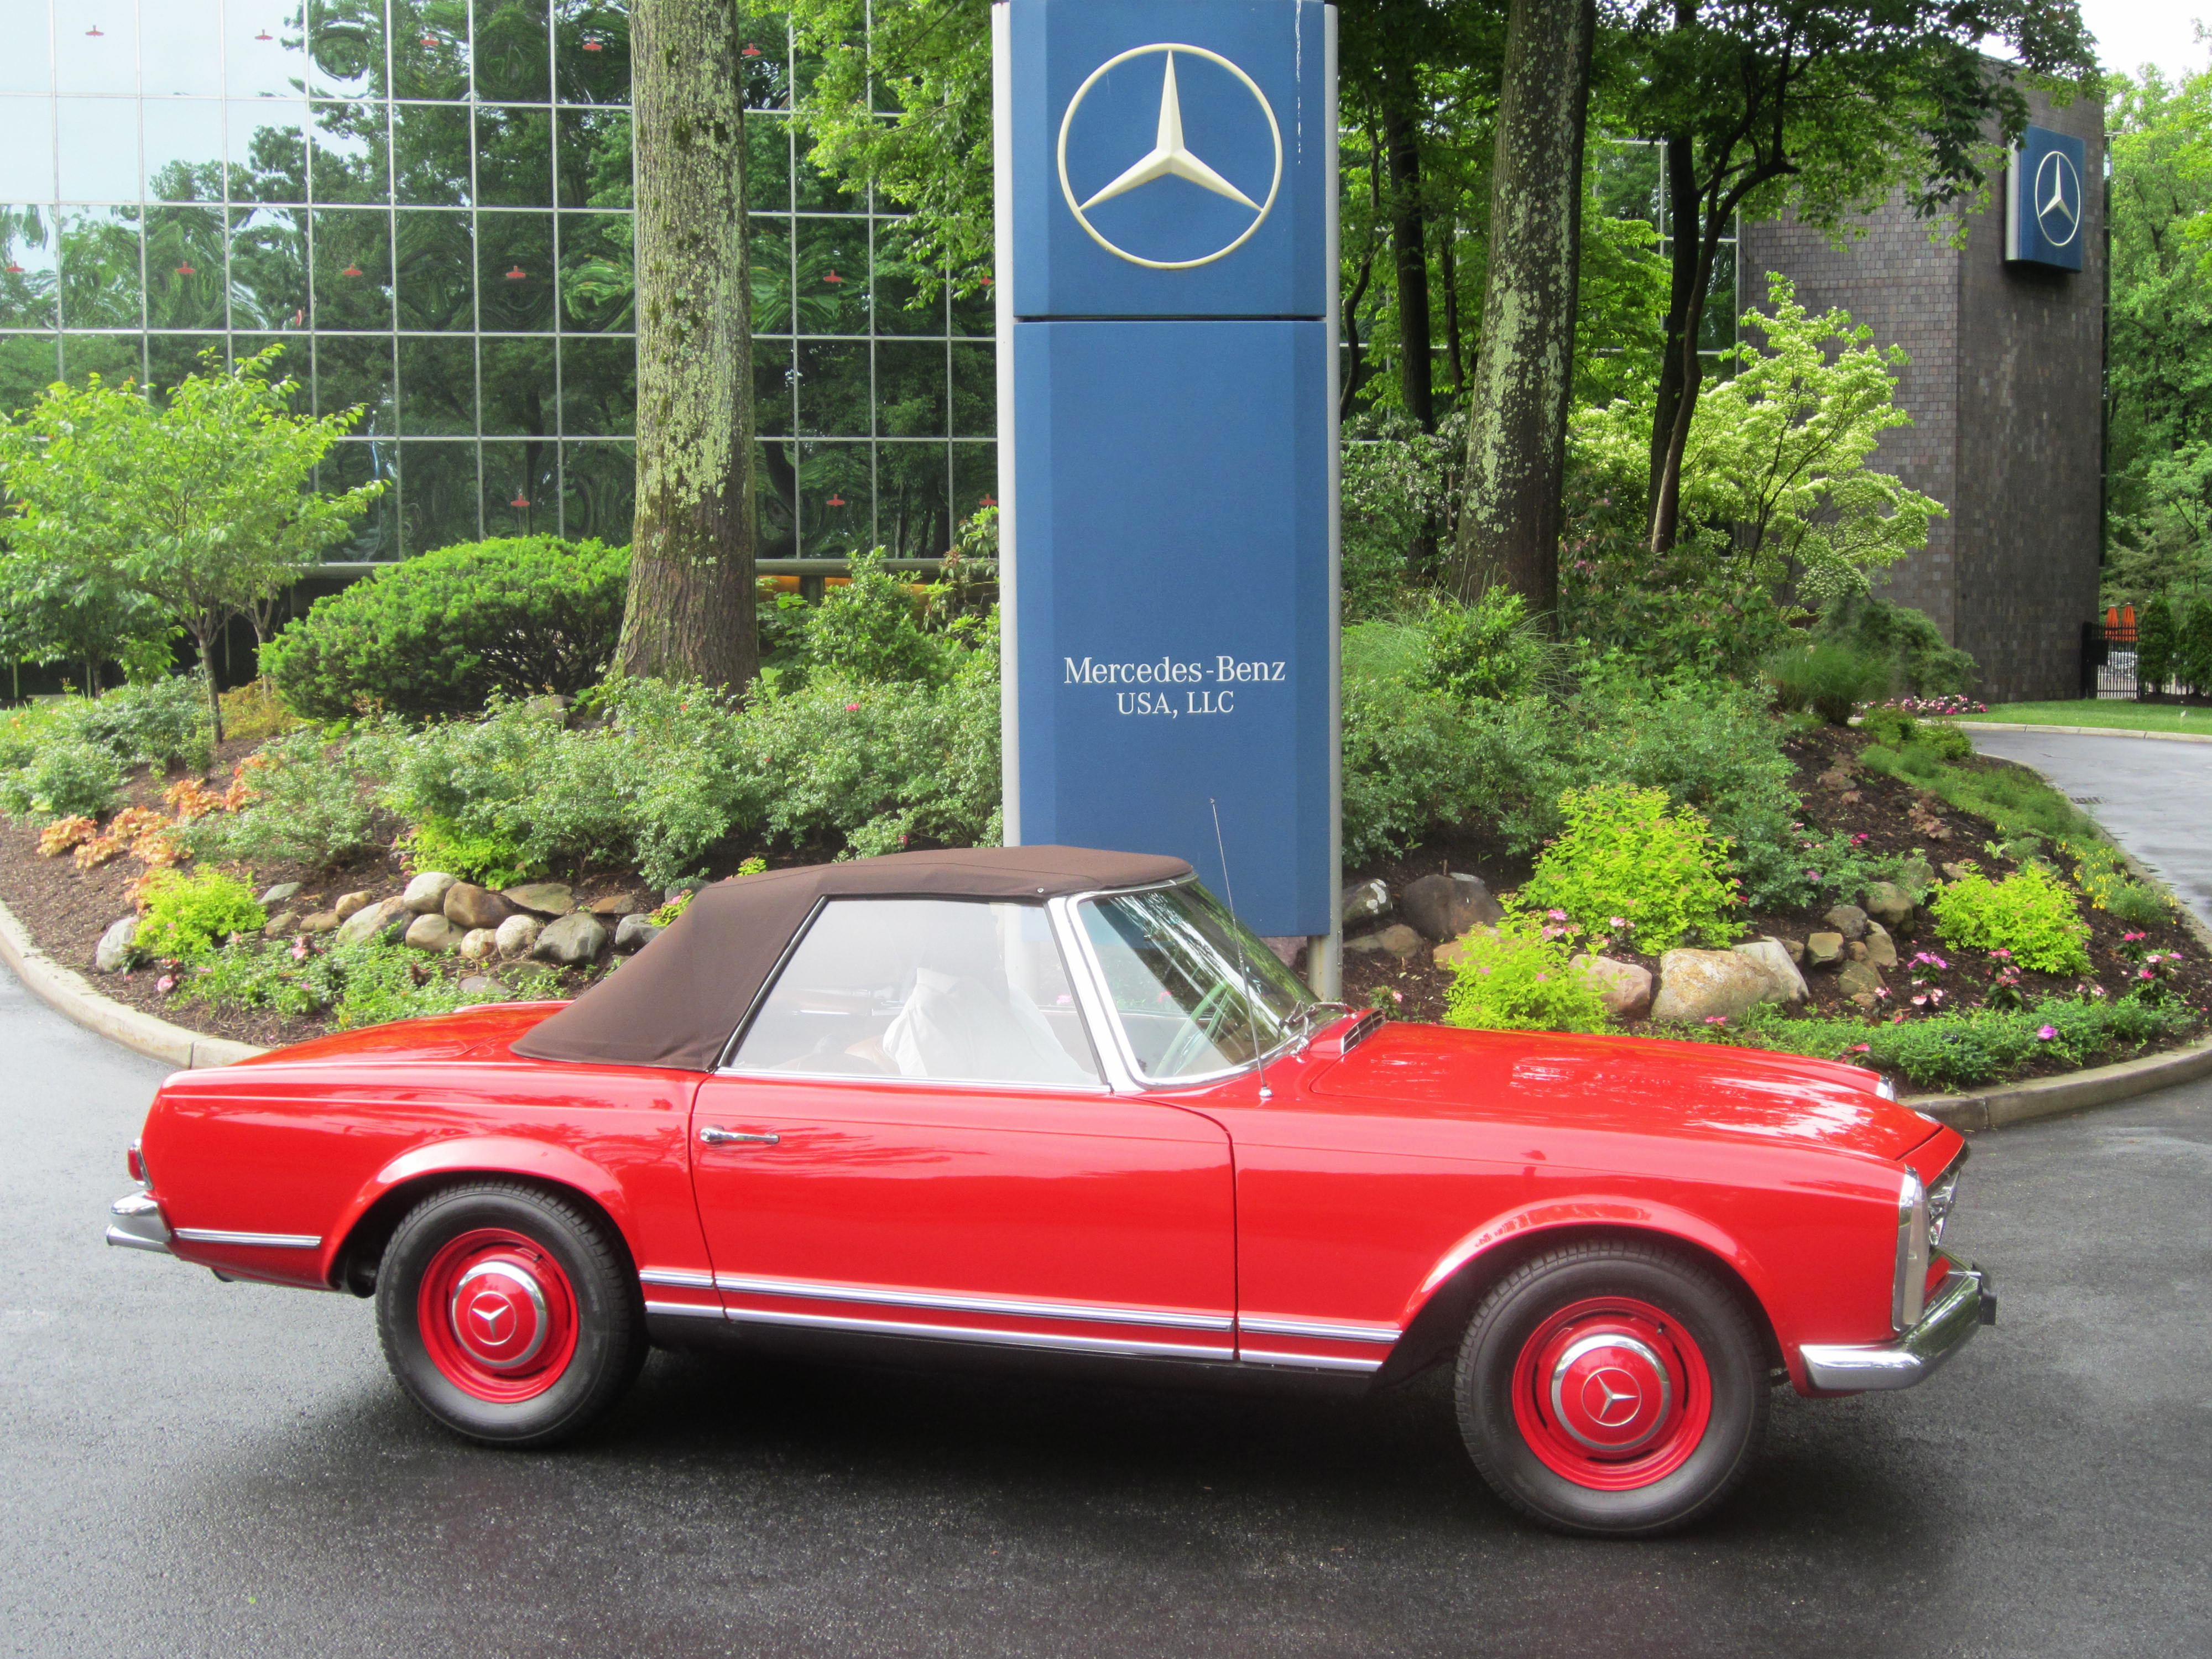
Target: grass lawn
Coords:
[(2121, 716)]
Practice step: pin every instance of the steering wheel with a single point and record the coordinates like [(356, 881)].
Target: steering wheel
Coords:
[(1202, 1025)]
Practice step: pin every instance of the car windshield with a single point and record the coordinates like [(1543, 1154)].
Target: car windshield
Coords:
[(1195, 992)]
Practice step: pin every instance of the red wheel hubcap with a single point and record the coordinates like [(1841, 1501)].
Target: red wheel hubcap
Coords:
[(497, 1316), (1612, 1393)]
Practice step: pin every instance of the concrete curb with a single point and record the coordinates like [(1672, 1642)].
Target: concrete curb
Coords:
[(2101, 1085), (68, 994), (1972, 724)]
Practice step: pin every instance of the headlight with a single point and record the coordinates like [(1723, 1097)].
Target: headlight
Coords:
[(1887, 1088), (1940, 1195), (1910, 1299)]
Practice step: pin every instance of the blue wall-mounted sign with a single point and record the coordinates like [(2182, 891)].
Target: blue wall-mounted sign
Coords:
[(2046, 198), (1166, 284)]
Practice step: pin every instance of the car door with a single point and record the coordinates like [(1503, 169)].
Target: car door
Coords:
[(911, 1139)]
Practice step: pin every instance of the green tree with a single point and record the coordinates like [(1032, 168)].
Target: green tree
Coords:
[(197, 507)]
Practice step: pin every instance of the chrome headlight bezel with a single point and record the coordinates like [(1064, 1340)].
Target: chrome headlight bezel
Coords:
[(1909, 1300)]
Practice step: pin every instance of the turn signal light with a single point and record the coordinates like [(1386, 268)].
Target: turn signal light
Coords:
[(135, 1161)]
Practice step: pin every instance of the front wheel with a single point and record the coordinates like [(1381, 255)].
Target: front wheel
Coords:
[(1612, 1389), (508, 1314)]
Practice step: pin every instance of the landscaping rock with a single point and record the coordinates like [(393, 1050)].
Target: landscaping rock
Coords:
[(432, 931), (618, 904), (1364, 943), (1698, 985), (1447, 955), (468, 905), (1955, 871), (517, 934), (1623, 986), (282, 893), (550, 702), (1880, 948), (1861, 980), (479, 944), (1857, 949), (112, 954), (280, 924), (374, 921), (1848, 920), (575, 941), (351, 904), (425, 894), (1401, 941), (634, 932), (323, 921), (1445, 906), (1366, 901), (689, 884), (1784, 982), (545, 898), (1287, 947), (1916, 873), (1887, 903), (1824, 950), (1796, 949), (476, 985)]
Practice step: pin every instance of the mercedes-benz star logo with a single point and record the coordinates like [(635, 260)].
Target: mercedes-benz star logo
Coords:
[(488, 1310), (1611, 1397), (2057, 198), (1169, 157)]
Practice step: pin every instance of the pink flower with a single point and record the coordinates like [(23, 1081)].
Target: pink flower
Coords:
[(1556, 915), (851, 709), (2046, 1033), (166, 984), (1617, 921), (1540, 978), (1859, 1048), (1716, 1020)]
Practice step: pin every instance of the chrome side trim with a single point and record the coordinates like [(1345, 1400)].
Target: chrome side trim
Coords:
[(1321, 1330), (1917, 1355), (979, 1334), (264, 1240), (937, 1301), (687, 1310), (139, 1224), (676, 1278), (1322, 1361)]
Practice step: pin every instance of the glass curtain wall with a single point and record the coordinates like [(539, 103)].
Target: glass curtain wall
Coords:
[(427, 203)]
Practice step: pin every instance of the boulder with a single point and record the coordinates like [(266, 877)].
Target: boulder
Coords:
[(283, 922), (1880, 948), (1887, 903), (1956, 871), (1363, 902), (476, 985), (1447, 955), (374, 921), (323, 921), (425, 894), (1623, 986), (1796, 949), (468, 905), (636, 931), (1362, 943), (1784, 982), (1401, 941), (575, 941), (618, 904), (1855, 949), (1445, 906), (1698, 985), (348, 905), (689, 884), (1287, 947), (113, 953), (282, 893), (1848, 920), (517, 935), (479, 944), (1823, 950), (1916, 873), (1860, 980), (432, 931), (544, 898)]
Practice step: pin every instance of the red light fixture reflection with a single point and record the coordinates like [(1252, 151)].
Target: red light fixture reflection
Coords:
[(837, 500), (593, 46), (987, 501), (95, 32), (833, 277), (185, 270), (520, 500), (751, 51), (15, 269), (264, 35), (351, 270), (517, 274)]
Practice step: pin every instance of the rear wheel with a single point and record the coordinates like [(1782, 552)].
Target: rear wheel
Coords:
[(508, 1314), (1612, 1389)]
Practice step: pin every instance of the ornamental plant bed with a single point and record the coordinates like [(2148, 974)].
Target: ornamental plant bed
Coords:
[(1886, 815)]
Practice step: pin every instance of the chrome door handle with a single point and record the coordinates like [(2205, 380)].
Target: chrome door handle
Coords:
[(714, 1135)]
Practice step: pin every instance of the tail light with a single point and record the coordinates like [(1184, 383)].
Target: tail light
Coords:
[(135, 1161)]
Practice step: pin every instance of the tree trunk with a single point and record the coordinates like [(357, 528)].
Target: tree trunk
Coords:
[(691, 584), (205, 637), (1682, 372), (1509, 530), (1409, 247)]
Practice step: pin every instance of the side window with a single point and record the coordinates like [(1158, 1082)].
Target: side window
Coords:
[(926, 988)]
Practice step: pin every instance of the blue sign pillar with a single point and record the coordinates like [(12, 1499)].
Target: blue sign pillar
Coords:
[(1168, 447), (2044, 203)]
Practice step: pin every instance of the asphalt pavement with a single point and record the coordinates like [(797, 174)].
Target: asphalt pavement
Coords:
[(188, 1467), (2154, 797)]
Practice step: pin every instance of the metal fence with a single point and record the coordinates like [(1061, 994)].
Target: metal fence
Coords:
[(2108, 661)]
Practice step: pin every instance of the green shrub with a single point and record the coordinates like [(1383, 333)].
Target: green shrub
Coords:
[(1517, 979), (310, 805), (1891, 726), (439, 635), (1416, 759), (1375, 651), (1624, 852), (187, 917), (2103, 877), (2193, 646), (2018, 802), (1489, 649), (2029, 913), (371, 983), (65, 777), (163, 724), (253, 712), (1832, 680), (2155, 637), (1945, 740), (488, 860), (1907, 644), (867, 630)]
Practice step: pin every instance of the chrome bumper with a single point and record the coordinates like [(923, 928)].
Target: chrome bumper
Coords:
[(139, 1224), (1963, 1302)]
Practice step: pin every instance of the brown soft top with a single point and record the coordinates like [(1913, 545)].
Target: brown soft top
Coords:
[(677, 1001)]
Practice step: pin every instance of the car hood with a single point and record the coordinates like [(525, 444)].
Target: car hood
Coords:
[(485, 1030), (1634, 1084)]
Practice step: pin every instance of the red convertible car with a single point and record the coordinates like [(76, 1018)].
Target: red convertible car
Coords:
[(1046, 1100)]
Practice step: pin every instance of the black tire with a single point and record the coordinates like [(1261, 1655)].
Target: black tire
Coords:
[(1524, 1339), (518, 1246)]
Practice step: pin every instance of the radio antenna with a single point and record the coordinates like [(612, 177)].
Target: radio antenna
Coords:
[(1237, 938)]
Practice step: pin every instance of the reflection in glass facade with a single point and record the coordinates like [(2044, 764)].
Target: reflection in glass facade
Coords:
[(427, 203)]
